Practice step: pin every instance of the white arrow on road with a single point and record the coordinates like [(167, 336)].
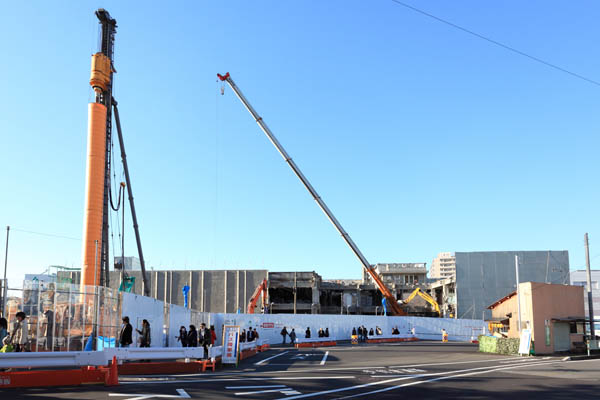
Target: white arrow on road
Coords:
[(182, 394)]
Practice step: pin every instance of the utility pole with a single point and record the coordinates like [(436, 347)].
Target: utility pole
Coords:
[(518, 295), (589, 287), (295, 277), (5, 282)]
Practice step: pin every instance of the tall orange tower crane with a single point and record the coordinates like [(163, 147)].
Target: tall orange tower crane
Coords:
[(387, 294), (95, 254)]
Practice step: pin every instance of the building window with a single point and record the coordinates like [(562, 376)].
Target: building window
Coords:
[(573, 327)]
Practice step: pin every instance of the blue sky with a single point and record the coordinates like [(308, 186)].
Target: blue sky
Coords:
[(419, 137)]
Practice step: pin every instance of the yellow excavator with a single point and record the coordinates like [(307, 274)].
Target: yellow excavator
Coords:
[(424, 296)]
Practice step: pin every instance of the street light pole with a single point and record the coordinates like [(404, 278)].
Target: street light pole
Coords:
[(5, 282)]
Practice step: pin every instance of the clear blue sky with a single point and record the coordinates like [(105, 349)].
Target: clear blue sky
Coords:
[(420, 137)]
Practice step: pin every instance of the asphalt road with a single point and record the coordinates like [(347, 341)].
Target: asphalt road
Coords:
[(389, 371)]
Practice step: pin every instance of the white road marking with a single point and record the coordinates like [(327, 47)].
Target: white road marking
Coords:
[(264, 391), (445, 377), (209, 380), (523, 359), (270, 358), (324, 358), (182, 394), (403, 378), (398, 372), (298, 370), (255, 387), (385, 366)]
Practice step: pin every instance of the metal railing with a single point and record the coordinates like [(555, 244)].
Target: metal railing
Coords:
[(97, 358)]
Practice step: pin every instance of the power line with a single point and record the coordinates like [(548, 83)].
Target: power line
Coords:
[(504, 46), (44, 234)]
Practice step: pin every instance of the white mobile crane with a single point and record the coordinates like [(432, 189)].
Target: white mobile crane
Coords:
[(387, 294)]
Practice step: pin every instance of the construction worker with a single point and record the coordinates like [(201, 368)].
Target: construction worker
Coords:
[(444, 336)]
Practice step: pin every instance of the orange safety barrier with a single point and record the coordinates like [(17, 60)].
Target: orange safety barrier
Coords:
[(392, 340), (264, 347), (248, 353), (158, 368), (109, 376), (170, 367), (212, 364), (317, 344)]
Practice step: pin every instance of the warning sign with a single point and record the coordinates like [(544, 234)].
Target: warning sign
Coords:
[(231, 344)]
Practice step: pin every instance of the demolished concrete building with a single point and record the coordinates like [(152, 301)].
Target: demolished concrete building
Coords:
[(304, 292)]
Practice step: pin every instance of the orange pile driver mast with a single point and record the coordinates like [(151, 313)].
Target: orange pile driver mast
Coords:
[(95, 257), (387, 294), (95, 260)]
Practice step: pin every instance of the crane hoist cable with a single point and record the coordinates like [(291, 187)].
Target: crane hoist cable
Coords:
[(374, 275)]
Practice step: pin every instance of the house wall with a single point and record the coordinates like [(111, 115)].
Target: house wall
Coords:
[(508, 307), (542, 303)]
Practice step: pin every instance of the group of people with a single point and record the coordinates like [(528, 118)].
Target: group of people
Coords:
[(362, 332), (307, 334), (126, 333), (323, 332), (292, 334), (193, 337), (17, 339), (249, 336)]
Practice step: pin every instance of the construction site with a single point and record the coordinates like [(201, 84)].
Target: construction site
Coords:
[(286, 292), (386, 289), (86, 308)]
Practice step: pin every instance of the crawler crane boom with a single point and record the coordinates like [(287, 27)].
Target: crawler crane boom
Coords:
[(391, 300)]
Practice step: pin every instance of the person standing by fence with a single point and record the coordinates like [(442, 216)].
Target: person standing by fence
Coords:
[(255, 335), (213, 335), (21, 336), (49, 329), (283, 334), (192, 338), (145, 334), (292, 337), (125, 336), (183, 336), (3, 330), (204, 338)]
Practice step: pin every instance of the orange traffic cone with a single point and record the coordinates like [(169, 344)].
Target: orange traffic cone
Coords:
[(113, 374)]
